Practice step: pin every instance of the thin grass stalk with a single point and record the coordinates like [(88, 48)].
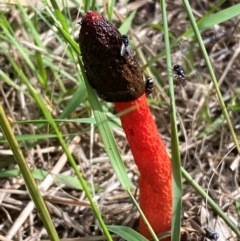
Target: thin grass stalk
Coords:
[(40, 102), (28, 178), (211, 203), (211, 72), (176, 160), (155, 238)]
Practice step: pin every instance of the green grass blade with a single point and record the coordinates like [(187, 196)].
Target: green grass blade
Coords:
[(225, 112), (217, 18), (211, 72), (28, 178), (59, 179), (126, 233), (110, 9), (108, 138), (126, 25), (32, 29), (176, 160), (64, 31), (143, 216), (79, 96), (54, 126)]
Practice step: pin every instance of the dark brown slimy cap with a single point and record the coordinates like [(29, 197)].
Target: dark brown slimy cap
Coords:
[(115, 78)]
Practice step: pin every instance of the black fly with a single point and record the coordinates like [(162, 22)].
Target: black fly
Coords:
[(125, 46), (125, 40), (149, 86), (211, 234), (180, 76)]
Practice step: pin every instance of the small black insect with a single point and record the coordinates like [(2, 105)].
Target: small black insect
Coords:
[(125, 46), (125, 40), (180, 76), (149, 85), (211, 234)]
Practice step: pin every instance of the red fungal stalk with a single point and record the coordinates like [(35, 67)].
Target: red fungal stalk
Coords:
[(116, 76), (150, 155)]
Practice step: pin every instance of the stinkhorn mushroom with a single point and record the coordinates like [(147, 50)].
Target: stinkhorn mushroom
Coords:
[(113, 71)]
